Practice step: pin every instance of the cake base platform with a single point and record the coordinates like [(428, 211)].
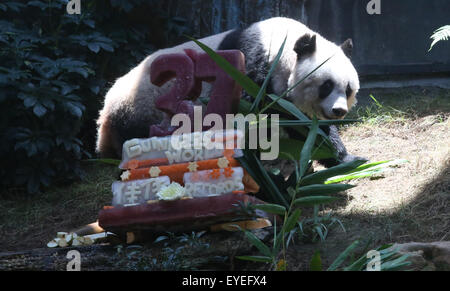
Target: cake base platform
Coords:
[(180, 215)]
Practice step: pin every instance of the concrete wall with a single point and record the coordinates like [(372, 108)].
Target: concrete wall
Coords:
[(394, 42)]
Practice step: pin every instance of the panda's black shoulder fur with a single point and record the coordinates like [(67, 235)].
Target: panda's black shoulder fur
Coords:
[(232, 40), (253, 50), (257, 68)]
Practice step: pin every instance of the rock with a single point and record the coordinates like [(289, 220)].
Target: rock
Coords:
[(433, 256)]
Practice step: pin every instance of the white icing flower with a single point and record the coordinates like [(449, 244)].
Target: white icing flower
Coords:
[(222, 162), (172, 192), (154, 172), (192, 167), (125, 175)]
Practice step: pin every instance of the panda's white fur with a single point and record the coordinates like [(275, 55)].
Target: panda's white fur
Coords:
[(129, 104), (290, 70), (132, 97)]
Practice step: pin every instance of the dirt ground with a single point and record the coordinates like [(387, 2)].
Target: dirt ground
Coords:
[(411, 202), (408, 203)]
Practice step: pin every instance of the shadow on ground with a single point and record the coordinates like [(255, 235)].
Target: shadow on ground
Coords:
[(410, 203)]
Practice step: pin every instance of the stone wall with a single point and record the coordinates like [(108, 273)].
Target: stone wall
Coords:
[(394, 42)]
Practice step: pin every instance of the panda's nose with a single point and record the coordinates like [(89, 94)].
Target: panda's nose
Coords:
[(339, 112)]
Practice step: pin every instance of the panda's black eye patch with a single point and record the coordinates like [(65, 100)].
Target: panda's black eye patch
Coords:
[(325, 89), (349, 91)]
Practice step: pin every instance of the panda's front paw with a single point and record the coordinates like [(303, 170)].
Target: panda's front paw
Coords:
[(328, 163), (350, 158)]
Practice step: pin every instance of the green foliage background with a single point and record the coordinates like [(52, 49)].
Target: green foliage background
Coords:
[(55, 69)]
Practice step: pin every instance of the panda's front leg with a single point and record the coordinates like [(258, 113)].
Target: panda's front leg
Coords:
[(342, 155)]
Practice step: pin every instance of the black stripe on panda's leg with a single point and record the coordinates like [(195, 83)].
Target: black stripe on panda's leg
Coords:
[(336, 142), (342, 155), (332, 132)]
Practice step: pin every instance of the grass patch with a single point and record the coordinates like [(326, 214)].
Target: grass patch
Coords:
[(382, 106), (30, 221)]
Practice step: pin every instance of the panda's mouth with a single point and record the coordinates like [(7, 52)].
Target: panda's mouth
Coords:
[(324, 115)]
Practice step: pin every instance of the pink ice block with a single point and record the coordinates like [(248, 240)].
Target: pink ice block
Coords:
[(189, 71)]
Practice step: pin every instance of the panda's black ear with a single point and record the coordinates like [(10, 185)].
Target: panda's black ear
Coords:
[(305, 45), (347, 47)]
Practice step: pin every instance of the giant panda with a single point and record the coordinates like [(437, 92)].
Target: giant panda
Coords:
[(329, 93)]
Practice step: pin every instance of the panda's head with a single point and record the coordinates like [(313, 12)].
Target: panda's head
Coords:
[(329, 92)]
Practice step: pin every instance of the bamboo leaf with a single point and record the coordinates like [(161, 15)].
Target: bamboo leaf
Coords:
[(289, 107), (319, 231), (307, 76), (316, 262), (262, 91), (253, 89), (244, 107), (366, 170), (385, 248), (260, 259), (277, 240), (378, 165), (291, 148), (321, 140), (321, 176), (321, 189), (309, 122), (314, 200), (358, 265), (367, 166), (277, 243), (285, 93), (305, 155), (396, 264), (386, 253), (254, 240), (351, 177), (270, 185), (253, 166), (343, 256), (292, 221), (271, 208)]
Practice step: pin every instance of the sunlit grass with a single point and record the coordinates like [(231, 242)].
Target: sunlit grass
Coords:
[(401, 105)]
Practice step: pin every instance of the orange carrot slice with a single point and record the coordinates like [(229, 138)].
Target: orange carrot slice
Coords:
[(176, 171)]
